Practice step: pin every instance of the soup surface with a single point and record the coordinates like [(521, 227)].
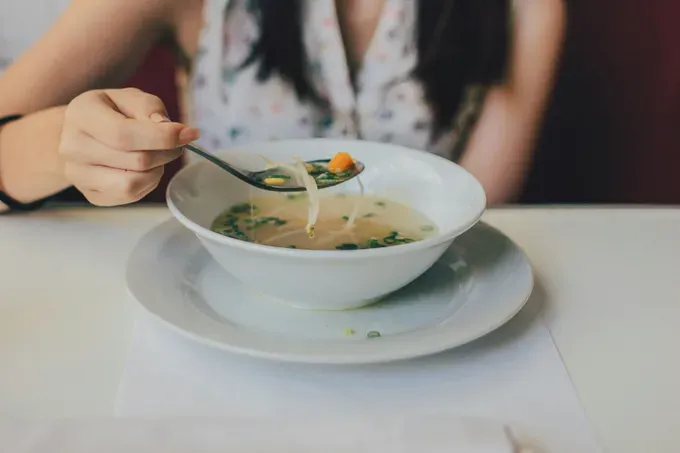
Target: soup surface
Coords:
[(345, 222)]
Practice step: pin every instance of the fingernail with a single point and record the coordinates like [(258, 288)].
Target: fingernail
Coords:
[(188, 134), (158, 118)]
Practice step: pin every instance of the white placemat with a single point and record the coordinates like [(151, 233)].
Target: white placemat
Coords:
[(513, 376)]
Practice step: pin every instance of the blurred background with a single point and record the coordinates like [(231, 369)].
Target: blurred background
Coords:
[(612, 130)]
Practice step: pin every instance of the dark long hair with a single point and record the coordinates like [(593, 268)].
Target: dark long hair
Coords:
[(459, 43)]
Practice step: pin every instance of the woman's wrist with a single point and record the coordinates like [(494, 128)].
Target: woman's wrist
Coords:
[(30, 167)]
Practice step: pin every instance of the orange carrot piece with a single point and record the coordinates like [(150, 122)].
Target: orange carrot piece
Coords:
[(340, 162)]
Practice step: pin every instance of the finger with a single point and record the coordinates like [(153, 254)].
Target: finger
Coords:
[(86, 150), (137, 104), (100, 116), (106, 200), (105, 186)]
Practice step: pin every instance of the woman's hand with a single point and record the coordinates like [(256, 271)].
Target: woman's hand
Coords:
[(115, 143)]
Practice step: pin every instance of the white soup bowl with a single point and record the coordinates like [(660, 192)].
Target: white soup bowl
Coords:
[(335, 279)]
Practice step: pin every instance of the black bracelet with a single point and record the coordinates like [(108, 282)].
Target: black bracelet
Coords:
[(8, 119), (10, 202)]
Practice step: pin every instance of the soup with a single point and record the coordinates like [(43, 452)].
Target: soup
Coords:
[(323, 172), (344, 222), (312, 175)]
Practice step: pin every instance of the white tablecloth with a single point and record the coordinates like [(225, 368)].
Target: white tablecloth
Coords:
[(262, 435), (609, 276)]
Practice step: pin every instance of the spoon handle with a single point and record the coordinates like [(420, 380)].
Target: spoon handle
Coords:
[(217, 161)]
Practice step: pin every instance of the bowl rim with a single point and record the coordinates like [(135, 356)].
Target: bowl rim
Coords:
[(429, 242)]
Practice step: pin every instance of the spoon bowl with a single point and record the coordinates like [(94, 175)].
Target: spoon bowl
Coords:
[(281, 178)]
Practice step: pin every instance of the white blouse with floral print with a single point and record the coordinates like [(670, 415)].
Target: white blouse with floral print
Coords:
[(385, 103)]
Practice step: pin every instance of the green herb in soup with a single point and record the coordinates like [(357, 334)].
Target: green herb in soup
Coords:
[(348, 222), (349, 246), (243, 208), (258, 222)]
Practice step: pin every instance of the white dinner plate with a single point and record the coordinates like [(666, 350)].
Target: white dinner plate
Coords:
[(479, 284)]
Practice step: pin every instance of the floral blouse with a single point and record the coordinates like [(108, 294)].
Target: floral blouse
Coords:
[(385, 103)]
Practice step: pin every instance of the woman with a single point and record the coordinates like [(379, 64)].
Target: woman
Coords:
[(467, 79)]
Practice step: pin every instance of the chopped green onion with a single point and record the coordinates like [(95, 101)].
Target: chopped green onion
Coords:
[(373, 334), (326, 175), (347, 247), (316, 169), (262, 221), (243, 208), (374, 244), (391, 239), (230, 220), (241, 236), (394, 238)]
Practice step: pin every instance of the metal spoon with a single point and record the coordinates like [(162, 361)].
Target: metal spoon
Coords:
[(283, 179)]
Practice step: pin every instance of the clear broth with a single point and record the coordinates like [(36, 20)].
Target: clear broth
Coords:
[(280, 222)]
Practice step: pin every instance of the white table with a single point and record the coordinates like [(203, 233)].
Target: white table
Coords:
[(610, 280)]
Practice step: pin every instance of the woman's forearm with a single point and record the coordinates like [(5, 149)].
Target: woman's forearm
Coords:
[(30, 168), (500, 151)]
